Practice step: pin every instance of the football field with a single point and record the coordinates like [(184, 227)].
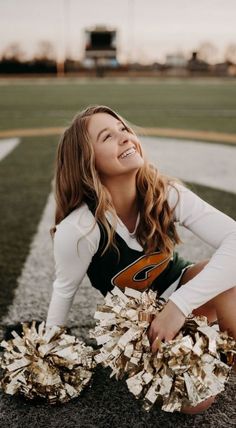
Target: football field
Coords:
[(25, 186), (206, 105)]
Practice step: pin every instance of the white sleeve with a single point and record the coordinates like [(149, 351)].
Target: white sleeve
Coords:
[(71, 264), (219, 231)]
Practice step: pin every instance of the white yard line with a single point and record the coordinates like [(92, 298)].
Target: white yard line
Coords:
[(7, 145), (209, 164)]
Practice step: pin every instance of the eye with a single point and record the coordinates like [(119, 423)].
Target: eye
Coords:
[(107, 136)]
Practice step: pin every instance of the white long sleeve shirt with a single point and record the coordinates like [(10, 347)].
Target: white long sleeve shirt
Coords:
[(75, 244)]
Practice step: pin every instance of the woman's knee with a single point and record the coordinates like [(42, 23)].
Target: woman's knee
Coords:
[(230, 293), (201, 407), (192, 271)]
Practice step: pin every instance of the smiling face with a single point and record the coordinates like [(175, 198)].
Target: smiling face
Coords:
[(117, 151)]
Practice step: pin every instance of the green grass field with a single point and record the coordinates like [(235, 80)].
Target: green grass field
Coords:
[(25, 182), (190, 104), (26, 173)]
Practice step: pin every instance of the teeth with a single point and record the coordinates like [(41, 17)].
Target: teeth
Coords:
[(127, 153)]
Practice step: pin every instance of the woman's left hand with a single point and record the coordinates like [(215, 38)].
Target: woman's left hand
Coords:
[(165, 325)]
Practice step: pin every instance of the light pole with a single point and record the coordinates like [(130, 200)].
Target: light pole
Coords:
[(64, 49), (131, 30)]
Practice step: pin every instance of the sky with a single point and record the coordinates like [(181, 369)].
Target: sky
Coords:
[(148, 30)]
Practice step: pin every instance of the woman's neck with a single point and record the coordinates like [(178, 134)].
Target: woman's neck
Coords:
[(124, 197)]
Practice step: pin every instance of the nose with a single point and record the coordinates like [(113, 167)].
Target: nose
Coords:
[(122, 138)]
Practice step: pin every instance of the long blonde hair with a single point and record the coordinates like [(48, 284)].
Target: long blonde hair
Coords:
[(77, 181)]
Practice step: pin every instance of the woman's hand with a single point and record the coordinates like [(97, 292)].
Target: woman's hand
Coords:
[(165, 325)]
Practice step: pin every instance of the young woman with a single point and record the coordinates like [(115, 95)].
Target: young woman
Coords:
[(115, 220)]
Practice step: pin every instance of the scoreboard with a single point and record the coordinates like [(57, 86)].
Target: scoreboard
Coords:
[(101, 45)]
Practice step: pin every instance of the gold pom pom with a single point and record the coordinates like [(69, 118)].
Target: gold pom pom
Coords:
[(184, 371), (47, 363)]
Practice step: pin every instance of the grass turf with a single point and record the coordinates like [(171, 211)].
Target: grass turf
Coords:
[(25, 181), (190, 104)]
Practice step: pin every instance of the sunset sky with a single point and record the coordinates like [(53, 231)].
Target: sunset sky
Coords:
[(147, 29)]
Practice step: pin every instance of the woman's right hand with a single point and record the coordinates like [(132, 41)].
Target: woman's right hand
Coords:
[(165, 325)]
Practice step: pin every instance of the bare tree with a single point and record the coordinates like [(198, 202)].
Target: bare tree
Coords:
[(13, 52), (207, 51), (230, 53), (45, 50)]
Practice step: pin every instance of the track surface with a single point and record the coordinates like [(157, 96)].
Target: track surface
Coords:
[(162, 132)]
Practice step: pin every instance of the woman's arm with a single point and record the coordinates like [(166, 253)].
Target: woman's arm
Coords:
[(70, 267), (219, 231)]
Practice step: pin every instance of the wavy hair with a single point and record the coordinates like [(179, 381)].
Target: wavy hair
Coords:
[(77, 181)]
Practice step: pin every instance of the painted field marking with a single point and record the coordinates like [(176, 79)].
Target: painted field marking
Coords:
[(207, 164), (7, 145)]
